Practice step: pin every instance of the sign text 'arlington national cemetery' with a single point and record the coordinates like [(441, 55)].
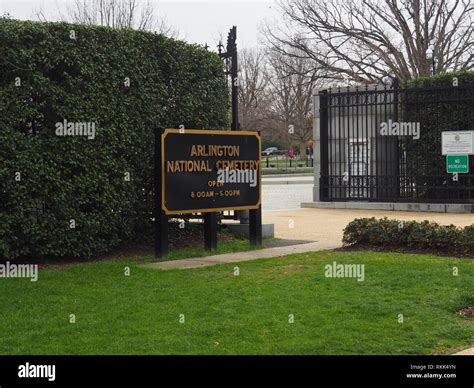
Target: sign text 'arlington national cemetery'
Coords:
[(210, 170)]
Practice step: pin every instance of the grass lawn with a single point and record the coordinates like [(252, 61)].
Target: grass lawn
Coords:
[(234, 245), (246, 314), (297, 165), (266, 172)]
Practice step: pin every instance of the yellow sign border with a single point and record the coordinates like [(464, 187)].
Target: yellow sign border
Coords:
[(208, 132)]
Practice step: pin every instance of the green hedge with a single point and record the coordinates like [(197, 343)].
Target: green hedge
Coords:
[(443, 80), (83, 80), (409, 234)]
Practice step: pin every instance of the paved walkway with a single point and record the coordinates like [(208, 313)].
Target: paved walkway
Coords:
[(324, 227), (239, 256), (465, 352)]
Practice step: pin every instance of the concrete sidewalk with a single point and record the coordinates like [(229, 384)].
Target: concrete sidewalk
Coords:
[(324, 227), (465, 352), (287, 180), (207, 261), (327, 224)]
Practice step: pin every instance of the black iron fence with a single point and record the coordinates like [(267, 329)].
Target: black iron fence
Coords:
[(286, 163), (384, 144)]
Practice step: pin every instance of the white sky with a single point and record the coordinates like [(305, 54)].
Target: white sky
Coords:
[(197, 21)]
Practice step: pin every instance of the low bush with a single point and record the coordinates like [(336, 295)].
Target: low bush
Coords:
[(410, 234)]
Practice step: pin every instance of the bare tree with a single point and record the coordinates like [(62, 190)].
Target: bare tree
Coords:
[(253, 99), (275, 95), (368, 41), (291, 85), (115, 14)]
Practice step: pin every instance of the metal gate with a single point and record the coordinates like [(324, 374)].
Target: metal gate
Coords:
[(370, 150)]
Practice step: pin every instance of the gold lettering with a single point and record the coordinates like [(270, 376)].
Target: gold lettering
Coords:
[(212, 150), (215, 150)]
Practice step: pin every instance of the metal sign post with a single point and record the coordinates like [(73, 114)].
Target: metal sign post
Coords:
[(161, 219), (210, 231)]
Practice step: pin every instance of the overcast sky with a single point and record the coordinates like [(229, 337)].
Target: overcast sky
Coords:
[(197, 21)]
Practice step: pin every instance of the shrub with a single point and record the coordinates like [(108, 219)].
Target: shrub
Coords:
[(412, 234), (73, 178)]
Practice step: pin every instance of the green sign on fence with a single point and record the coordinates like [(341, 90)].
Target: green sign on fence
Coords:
[(457, 163)]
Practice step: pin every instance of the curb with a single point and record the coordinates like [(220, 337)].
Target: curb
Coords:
[(300, 182)]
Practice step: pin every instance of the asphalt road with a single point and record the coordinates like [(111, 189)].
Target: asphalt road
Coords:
[(285, 197)]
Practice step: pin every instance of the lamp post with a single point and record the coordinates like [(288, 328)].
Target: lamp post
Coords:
[(230, 58), (433, 60), (231, 64)]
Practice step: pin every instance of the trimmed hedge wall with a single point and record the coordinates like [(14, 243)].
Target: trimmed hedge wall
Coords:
[(46, 180), (410, 234)]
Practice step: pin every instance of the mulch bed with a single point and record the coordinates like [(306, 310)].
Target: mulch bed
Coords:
[(467, 312)]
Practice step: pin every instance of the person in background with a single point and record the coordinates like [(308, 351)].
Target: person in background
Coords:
[(309, 154), (291, 153)]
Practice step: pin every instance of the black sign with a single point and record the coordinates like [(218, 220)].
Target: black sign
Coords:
[(207, 171)]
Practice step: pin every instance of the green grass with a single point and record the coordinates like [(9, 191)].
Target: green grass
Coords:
[(234, 245), (299, 164), (280, 171), (246, 314)]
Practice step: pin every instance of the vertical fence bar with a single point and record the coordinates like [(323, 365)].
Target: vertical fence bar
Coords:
[(376, 170), (408, 180), (330, 134), (387, 178), (323, 106), (398, 141), (350, 115), (340, 193), (357, 147), (367, 140)]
